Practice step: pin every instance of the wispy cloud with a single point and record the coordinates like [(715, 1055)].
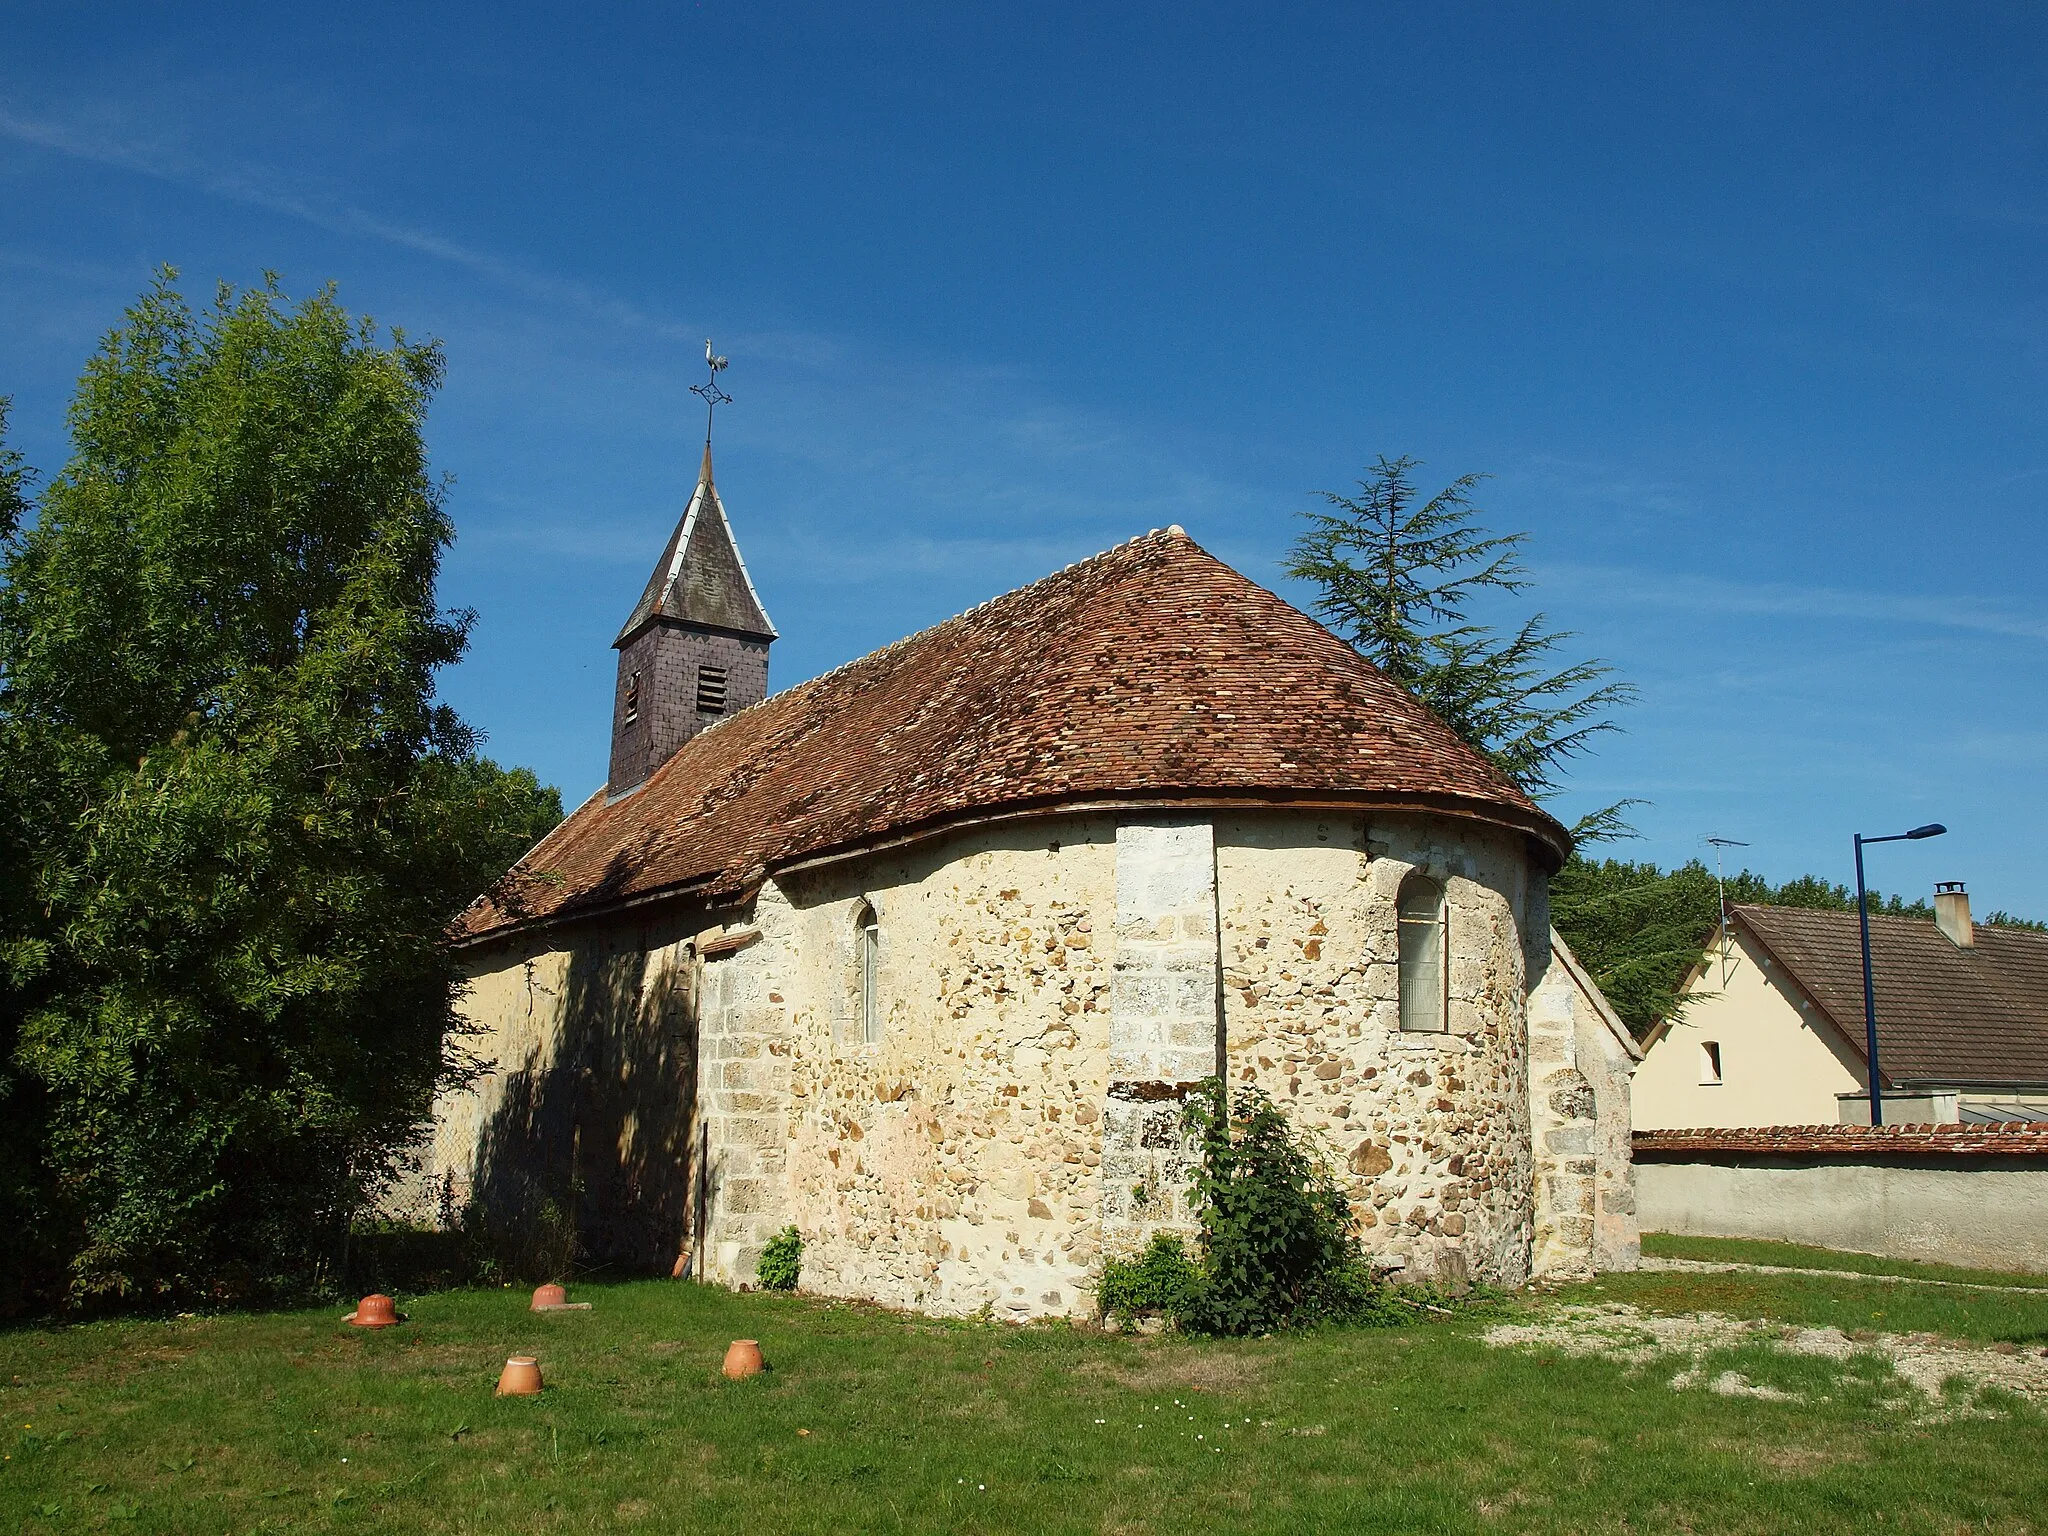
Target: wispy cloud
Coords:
[(1702, 594), (944, 448), (1599, 483), (254, 188)]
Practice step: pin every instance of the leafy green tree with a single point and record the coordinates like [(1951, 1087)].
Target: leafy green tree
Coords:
[(14, 477), (2004, 919), (1396, 575), (28, 1248), (243, 819)]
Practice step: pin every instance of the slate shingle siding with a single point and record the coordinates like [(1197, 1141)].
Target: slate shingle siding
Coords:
[(709, 585), (668, 658)]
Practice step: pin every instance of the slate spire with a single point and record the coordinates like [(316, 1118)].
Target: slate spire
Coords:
[(700, 578)]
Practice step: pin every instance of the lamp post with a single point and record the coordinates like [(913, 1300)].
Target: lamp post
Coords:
[(1932, 829)]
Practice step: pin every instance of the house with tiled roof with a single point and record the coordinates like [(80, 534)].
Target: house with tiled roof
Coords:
[(921, 956), (1773, 1033)]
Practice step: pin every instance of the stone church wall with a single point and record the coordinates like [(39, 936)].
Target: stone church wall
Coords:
[(1580, 1076), (1431, 1131), (575, 1137), (1048, 990), (953, 1164)]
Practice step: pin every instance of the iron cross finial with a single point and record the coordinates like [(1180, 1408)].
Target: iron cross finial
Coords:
[(709, 392)]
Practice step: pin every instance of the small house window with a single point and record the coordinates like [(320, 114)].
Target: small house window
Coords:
[(1710, 1062), (632, 698), (1423, 921), (867, 961), (711, 690)]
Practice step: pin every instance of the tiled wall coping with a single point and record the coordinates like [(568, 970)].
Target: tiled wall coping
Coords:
[(2016, 1139)]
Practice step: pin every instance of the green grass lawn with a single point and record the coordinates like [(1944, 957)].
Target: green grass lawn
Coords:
[(870, 1421)]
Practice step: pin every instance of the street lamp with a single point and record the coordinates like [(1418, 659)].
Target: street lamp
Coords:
[(1932, 829)]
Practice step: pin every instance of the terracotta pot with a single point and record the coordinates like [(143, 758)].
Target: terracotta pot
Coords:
[(376, 1311), (743, 1359), (549, 1296), (682, 1269), (520, 1378)]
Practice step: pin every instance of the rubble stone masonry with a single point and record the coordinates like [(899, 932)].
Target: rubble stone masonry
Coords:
[(1430, 1131), (1048, 989)]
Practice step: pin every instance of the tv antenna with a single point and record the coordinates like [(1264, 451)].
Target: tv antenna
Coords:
[(1721, 895), (709, 392)]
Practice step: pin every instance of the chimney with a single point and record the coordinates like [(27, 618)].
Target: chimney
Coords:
[(1952, 913)]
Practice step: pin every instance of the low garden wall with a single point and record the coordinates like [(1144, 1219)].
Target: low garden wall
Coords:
[(1954, 1194)]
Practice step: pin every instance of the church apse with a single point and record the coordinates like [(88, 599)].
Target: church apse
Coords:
[(990, 901)]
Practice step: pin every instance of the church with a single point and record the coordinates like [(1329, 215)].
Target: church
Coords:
[(923, 955)]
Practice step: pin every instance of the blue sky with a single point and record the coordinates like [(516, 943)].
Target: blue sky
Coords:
[(1742, 307)]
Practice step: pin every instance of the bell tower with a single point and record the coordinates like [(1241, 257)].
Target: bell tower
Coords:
[(695, 648)]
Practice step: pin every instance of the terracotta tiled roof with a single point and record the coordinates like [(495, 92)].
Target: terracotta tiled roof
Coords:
[(1851, 1140), (1945, 1014), (1152, 673)]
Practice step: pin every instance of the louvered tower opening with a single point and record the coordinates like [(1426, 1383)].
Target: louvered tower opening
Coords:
[(711, 690)]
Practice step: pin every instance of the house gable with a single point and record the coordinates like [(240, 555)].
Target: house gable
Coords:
[(1782, 1060)]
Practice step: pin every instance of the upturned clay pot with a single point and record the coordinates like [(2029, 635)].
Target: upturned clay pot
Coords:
[(520, 1378), (682, 1267), (549, 1296), (743, 1359), (375, 1311)]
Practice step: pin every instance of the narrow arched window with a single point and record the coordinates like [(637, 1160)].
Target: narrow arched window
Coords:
[(867, 961), (1423, 921)]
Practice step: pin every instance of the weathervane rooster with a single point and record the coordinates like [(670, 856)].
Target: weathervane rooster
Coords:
[(712, 396)]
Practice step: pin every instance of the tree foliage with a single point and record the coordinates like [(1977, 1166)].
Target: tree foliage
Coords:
[(242, 819), (28, 1250), (1396, 575), (1640, 929)]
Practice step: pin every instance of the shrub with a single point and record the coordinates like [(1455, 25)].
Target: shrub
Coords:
[(1276, 1248), (781, 1261), (1162, 1281)]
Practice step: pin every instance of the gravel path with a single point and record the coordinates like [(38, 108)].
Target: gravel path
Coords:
[(1927, 1362), (1721, 1267)]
